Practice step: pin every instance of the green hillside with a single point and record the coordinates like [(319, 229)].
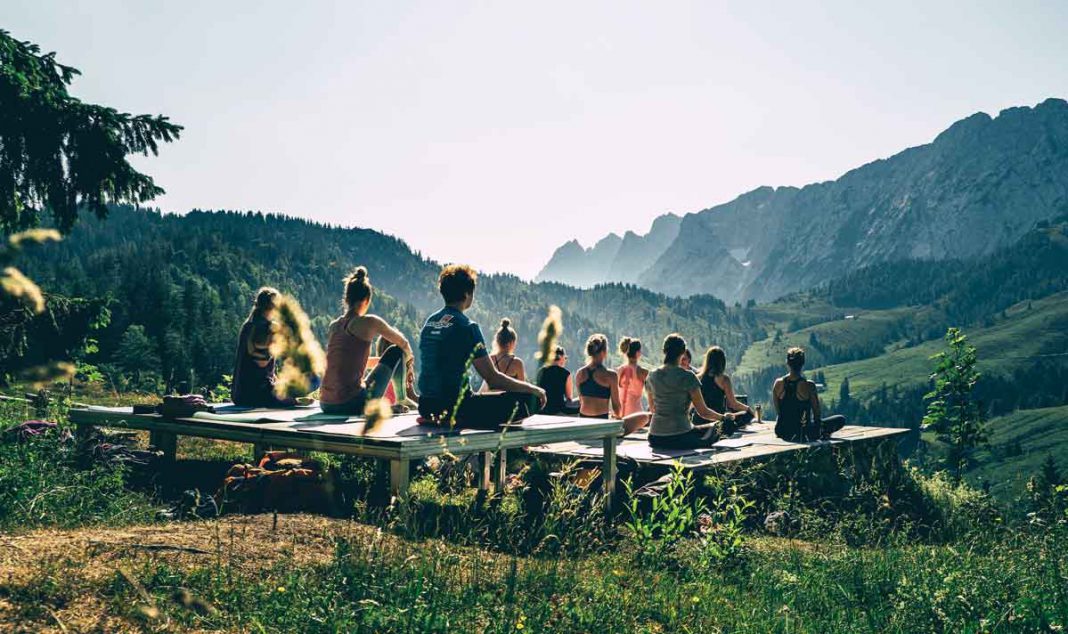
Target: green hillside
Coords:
[(206, 266), (1019, 443), (1028, 331), (856, 333)]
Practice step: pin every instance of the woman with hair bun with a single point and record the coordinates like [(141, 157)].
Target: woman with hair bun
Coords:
[(348, 349), (672, 391), (631, 376), (797, 405), (555, 379), (503, 357)]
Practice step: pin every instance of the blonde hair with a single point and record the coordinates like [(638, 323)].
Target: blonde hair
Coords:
[(596, 344), (630, 346)]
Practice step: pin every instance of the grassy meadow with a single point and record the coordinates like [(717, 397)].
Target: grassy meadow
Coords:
[(861, 544)]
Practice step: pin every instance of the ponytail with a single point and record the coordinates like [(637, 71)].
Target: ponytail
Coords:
[(629, 347)]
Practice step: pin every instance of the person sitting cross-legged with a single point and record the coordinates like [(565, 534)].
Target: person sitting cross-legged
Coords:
[(348, 350), (448, 344), (798, 406), (718, 391), (555, 379), (254, 367), (672, 391)]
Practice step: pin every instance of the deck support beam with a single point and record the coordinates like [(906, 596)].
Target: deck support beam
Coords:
[(501, 475), (608, 472), (398, 477)]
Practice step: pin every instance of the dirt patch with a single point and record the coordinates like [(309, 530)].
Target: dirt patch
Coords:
[(87, 557)]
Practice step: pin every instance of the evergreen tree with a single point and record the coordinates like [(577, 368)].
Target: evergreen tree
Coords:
[(952, 409), (59, 153), (843, 392)]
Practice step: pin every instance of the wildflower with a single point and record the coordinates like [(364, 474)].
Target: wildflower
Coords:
[(281, 589), (695, 599)]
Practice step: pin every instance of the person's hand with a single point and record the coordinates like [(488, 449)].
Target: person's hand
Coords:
[(728, 417)]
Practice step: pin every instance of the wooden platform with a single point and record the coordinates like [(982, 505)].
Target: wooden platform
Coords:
[(400, 440), (756, 441)]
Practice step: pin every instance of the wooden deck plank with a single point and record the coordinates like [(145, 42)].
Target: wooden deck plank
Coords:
[(399, 437), (758, 441)]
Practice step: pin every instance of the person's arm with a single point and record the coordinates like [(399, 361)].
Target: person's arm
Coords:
[(732, 403), (500, 381), (652, 397), (698, 401), (776, 395), (521, 371), (567, 387), (613, 395), (381, 327), (814, 400)]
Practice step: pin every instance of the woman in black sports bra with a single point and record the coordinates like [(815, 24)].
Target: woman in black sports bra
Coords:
[(598, 387), (798, 405), (503, 357)]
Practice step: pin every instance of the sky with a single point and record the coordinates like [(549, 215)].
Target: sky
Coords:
[(492, 132)]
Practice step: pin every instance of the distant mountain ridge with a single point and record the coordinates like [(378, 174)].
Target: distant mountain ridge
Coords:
[(980, 185), (612, 259)]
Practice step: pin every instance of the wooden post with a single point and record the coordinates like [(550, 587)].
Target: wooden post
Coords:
[(398, 477), (485, 464), (608, 471), (502, 471), (165, 441)]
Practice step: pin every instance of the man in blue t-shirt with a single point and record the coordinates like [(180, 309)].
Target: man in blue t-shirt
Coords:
[(448, 343)]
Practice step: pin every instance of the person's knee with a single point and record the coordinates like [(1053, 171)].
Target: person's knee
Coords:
[(392, 356)]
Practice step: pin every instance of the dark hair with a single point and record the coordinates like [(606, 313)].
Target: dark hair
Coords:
[(674, 346), (559, 353), (630, 347), (795, 359), (357, 288), (456, 281), (596, 344), (505, 334), (715, 362)]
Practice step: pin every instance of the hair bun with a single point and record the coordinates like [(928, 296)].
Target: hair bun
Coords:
[(360, 273), (624, 345), (505, 323)]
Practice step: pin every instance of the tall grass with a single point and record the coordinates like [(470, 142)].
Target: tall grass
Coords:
[(375, 583), (43, 482)]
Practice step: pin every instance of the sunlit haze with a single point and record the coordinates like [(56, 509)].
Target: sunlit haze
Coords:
[(493, 132)]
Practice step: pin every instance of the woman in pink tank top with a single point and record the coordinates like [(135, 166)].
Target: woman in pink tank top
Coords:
[(631, 376), (348, 348)]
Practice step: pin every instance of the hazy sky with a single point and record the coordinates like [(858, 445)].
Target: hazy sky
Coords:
[(491, 132)]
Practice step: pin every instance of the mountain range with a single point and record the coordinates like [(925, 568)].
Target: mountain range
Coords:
[(978, 186)]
